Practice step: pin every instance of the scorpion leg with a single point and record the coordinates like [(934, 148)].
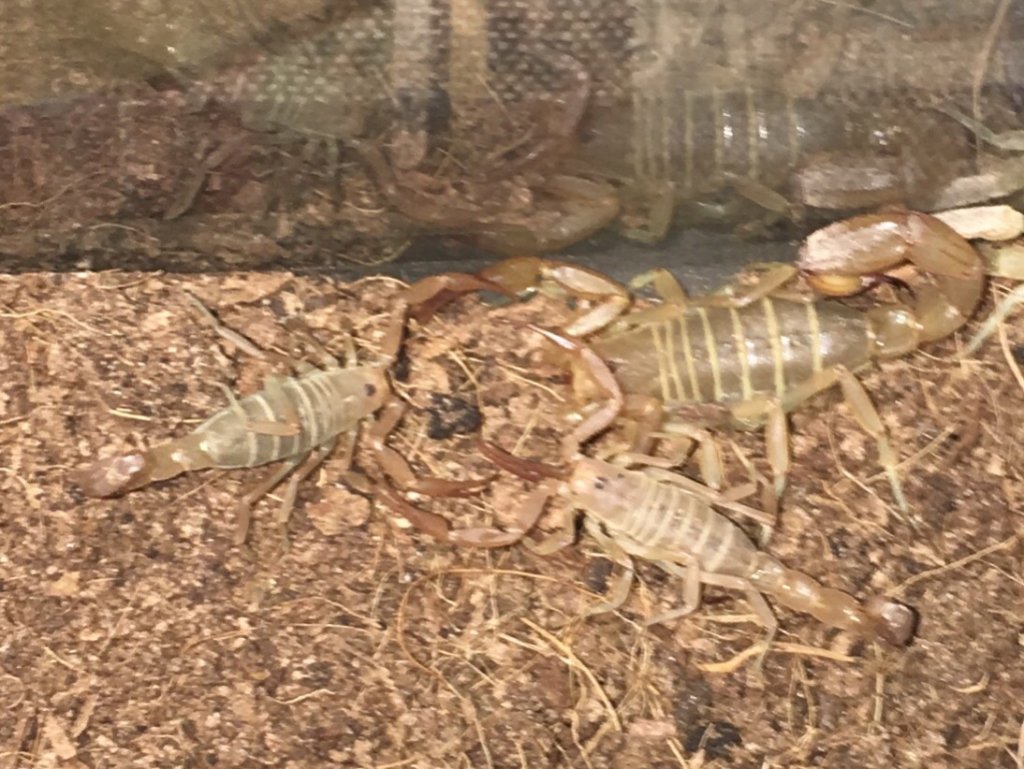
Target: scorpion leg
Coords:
[(1012, 141), (243, 510), (690, 574), (770, 412), (235, 338), (620, 590), (436, 526), (728, 500), (327, 360), (693, 573), (521, 275), (312, 461), (535, 503), (643, 415), (860, 404), (289, 427), (762, 610), (694, 577), (581, 208), (518, 275), (669, 290), (711, 468), (655, 210), (558, 540), (771, 201), (993, 321), (397, 467), (674, 297)]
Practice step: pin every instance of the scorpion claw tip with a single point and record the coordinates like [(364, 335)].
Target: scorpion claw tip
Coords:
[(108, 477), (564, 341), (896, 622)]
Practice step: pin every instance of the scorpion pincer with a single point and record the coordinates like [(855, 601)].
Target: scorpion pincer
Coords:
[(748, 355), (664, 517), (297, 421)]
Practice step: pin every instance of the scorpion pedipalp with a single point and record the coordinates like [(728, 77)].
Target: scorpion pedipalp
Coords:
[(527, 469), (427, 296)]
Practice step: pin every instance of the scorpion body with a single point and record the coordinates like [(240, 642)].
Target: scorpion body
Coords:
[(747, 356), (649, 515), (715, 157), (727, 355), (287, 419), (291, 420), (664, 517), (778, 151)]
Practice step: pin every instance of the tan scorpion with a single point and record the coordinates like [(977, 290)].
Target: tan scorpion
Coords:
[(664, 517), (749, 355), (297, 421)]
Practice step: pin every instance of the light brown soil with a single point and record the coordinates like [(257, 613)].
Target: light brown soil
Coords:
[(132, 632)]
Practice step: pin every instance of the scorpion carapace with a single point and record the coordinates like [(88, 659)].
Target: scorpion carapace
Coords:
[(296, 421)]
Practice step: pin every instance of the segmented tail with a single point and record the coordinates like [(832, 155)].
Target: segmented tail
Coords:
[(893, 621), (878, 617), (114, 475)]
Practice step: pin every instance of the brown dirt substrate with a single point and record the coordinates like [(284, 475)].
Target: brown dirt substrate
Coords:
[(133, 633)]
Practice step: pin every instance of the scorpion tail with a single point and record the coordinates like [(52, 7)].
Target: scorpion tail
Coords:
[(878, 617), (847, 256), (895, 622), (114, 475), (119, 475)]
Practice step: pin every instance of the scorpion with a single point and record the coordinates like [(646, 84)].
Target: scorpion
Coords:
[(716, 157), (297, 421), (747, 356), (667, 518), (749, 155), (522, 137)]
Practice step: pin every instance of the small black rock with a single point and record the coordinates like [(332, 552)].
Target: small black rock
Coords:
[(450, 415)]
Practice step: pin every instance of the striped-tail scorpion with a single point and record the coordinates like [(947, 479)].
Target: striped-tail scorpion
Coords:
[(297, 421), (664, 517), (748, 355)]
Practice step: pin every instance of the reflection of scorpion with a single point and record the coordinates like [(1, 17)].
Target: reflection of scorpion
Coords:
[(669, 519), (749, 355), (779, 154), (296, 421), (530, 134)]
